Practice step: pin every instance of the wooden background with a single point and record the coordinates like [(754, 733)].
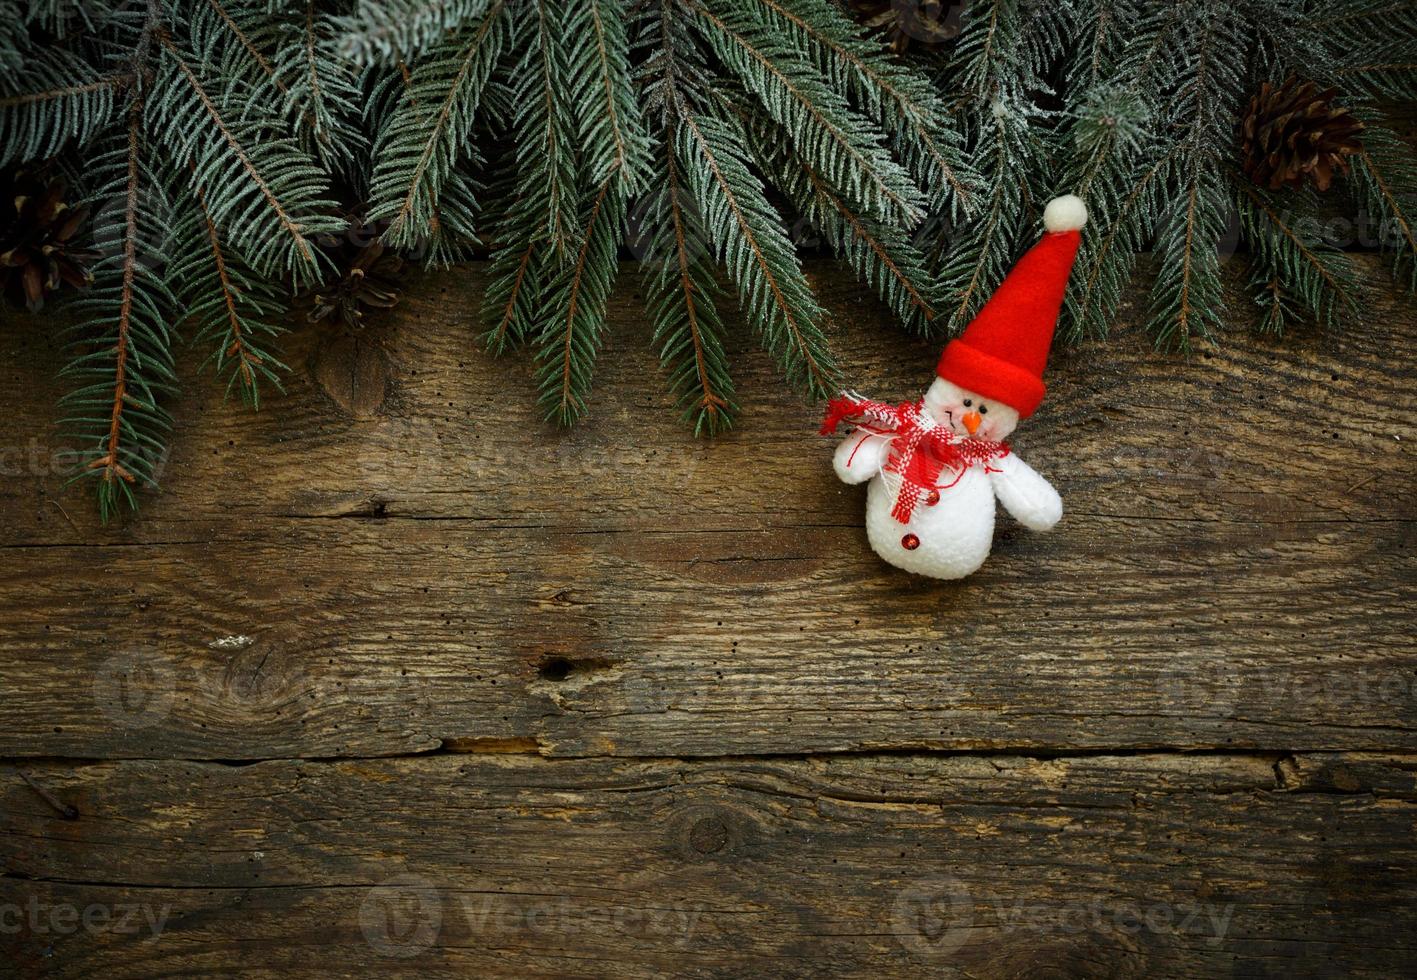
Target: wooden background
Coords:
[(393, 678)]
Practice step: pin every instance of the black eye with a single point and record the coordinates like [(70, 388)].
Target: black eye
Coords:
[(983, 409), (967, 403)]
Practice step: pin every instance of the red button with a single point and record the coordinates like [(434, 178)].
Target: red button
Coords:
[(933, 499), (910, 542)]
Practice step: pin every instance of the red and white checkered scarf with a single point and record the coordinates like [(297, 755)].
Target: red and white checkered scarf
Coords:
[(920, 448)]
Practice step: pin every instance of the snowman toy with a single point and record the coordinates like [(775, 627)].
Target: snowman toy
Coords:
[(935, 465)]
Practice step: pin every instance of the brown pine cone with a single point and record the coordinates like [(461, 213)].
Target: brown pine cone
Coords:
[(367, 276), (1293, 133), (38, 252)]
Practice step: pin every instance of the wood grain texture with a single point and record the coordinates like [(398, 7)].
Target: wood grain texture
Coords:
[(519, 866), (613, 677)]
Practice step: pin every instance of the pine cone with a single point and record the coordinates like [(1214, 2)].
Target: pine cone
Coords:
[(37, 248), (367, 276), (927, 23), (1295, 133)]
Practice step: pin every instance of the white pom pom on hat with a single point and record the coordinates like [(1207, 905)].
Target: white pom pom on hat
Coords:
[(1066, 213)]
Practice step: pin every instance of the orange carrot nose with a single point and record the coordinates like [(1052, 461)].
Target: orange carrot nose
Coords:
[(971, 422)]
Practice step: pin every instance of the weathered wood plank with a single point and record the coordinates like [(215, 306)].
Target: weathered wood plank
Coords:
[(986, 866), (1256, 430), (379, 637), (1235, 568)]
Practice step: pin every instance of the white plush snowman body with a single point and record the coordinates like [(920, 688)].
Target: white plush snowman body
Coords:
[(950, 530)]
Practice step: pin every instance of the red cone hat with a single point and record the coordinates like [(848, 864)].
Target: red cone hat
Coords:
[(1001, 354)]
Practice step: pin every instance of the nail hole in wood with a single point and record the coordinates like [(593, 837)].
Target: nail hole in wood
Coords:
[(555, 669)]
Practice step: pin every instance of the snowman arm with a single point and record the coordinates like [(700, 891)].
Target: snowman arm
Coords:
[(860, 456), (1027, 496)]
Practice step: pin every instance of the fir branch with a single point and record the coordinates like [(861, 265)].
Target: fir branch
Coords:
[(1337, 18), (612, 149), (1378, 68), (1321, 278), (747, 237), (321, 93), (985, 248), (512, 295), (577, 300), (1103, 40), (392, 31), (677, 264), (58, 94), (1187, 291), (1125, 151), (1111, 134), (538, 227), (978, 57), (110, 464), (1113, 131), (123, 363), (1275, 307), (1185, 299), (233, 345), (901, 100), (53, 98), (995, 68), (674, 76), (680, 285), (269, 60), (612, 136), (1369, 46), (1382, 171), (231, 307), (1211, 63), (417, 153), (1009, 46), (63, 18), (312, 72), (879, 253), (244, 41), (1114, 122), (265, 193), (15, 43), (540, 180), (545, 153), (882, 255), (825, 130), (1108, 255)]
